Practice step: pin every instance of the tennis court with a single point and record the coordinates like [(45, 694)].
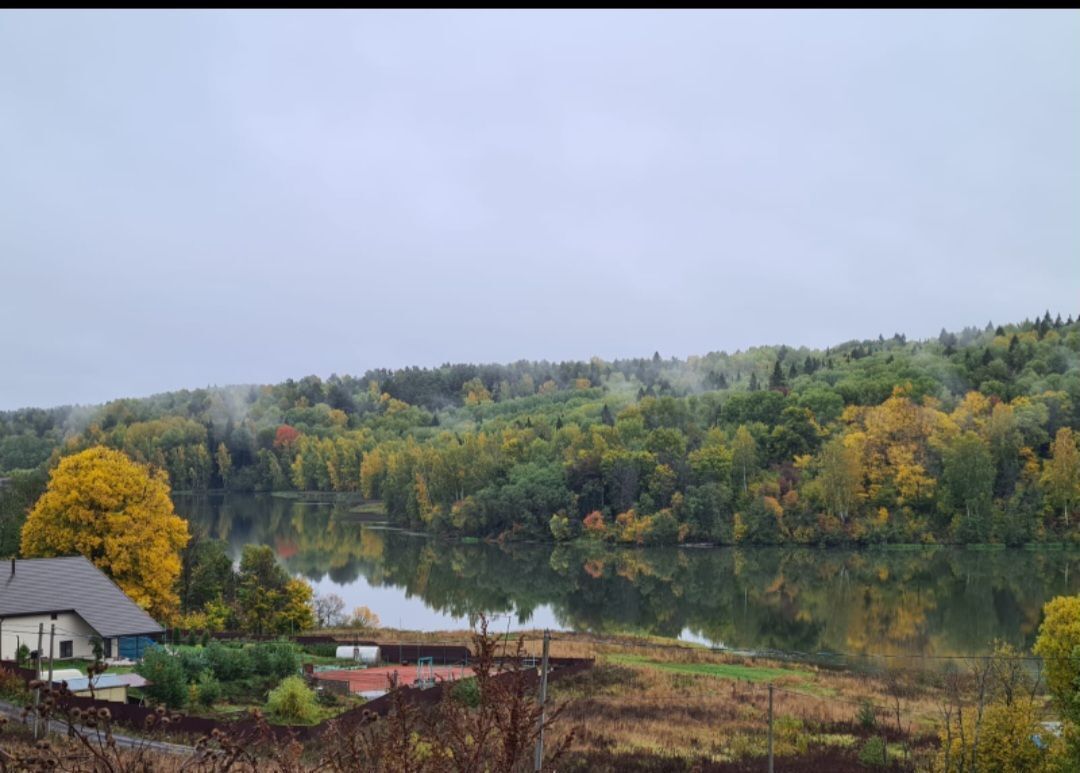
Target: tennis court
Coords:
[(373, 679)]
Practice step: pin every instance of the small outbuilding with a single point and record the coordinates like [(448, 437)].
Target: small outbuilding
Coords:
[(103, 687), (362, 654)]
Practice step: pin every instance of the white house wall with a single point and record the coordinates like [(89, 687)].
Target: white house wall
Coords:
[(15, 631)]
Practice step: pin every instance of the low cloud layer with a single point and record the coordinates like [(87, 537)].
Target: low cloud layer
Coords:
[(210, 198)]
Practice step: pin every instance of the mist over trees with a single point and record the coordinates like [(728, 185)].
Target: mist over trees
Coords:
[(967, 437)]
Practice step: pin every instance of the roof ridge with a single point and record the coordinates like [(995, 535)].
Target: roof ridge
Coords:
[(91, 594)]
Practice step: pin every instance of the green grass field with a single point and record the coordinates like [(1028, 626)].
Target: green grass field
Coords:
[(717, 670)]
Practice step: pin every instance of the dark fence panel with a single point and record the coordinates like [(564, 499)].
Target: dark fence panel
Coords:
[(136, 716), (26, 674), (443, 654)]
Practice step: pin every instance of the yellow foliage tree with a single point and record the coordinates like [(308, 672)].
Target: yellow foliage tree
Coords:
[(1004, 740), (117, 513), (475, 393), (1061, 473), (362, 617), (892, 439), (1058, 644)]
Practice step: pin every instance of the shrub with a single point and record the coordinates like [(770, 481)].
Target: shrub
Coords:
[(867, 716), (227, 663), (11, 686), (327, 698), (194, 663), (209, 689), (292, 701), (272, 659), (467, 692), (324, 650), (872, 753), (166, 677)]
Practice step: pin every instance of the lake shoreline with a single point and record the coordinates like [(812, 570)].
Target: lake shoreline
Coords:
[(374, 508)]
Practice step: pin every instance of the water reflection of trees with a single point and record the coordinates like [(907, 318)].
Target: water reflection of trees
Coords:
[(932, 601)]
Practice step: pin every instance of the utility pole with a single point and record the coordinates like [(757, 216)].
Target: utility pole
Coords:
[(770, 729), (37, 692), (538, 763)]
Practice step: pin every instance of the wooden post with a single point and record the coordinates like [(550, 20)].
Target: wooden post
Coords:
[(37, 692), (538, 763), (770, 729), (52, 636)]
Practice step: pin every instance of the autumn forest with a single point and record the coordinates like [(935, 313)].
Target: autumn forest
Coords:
[(969, 437)]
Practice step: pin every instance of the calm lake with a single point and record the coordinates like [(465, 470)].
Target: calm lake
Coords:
[(916, 601)]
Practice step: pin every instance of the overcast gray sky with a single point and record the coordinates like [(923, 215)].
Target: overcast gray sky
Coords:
[(194, 198)]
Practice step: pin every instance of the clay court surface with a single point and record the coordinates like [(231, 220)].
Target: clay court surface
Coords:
[(369, 679)]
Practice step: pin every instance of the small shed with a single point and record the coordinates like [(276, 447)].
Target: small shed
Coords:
[(106, 687)]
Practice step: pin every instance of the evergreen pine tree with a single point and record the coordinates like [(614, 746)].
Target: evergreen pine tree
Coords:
[(776, 380)]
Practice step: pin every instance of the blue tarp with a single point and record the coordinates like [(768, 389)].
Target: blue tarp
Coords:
[(133, 647)]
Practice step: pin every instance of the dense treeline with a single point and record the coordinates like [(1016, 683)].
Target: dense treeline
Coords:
[(968, 437)]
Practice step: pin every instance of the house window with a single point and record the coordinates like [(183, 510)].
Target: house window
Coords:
[(66, 649), (108, 648), (53, 616)]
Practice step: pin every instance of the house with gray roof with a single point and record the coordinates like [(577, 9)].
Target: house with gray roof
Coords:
[(76, 597)]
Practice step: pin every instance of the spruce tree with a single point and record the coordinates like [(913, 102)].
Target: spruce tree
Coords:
[(776, 380)]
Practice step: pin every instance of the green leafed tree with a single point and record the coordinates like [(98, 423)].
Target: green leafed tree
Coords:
[(1061, 475), (968, 477)]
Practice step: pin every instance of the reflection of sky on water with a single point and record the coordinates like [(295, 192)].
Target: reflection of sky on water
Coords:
[(397, 609)]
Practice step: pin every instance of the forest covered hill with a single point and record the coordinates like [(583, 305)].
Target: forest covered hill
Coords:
[(968, 437)]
